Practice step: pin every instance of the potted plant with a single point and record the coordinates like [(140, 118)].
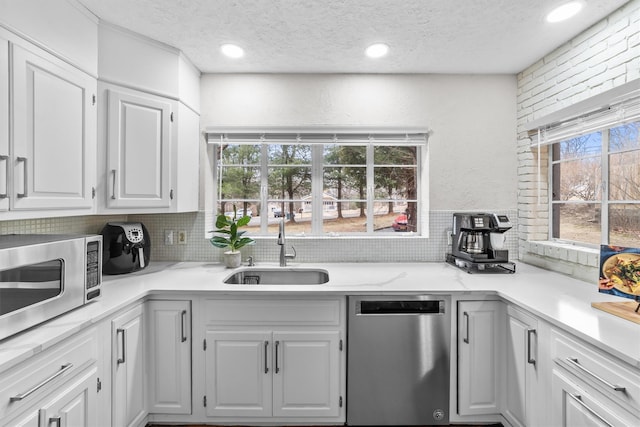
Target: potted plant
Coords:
[(228, 236)]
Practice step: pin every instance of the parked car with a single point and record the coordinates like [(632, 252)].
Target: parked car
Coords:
[(400, 223)]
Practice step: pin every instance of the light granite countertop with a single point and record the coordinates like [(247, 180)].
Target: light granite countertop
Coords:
[(560, 300)]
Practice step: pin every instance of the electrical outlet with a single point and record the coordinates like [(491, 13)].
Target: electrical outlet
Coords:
[(449, 237), (182, 237), (168, 237)]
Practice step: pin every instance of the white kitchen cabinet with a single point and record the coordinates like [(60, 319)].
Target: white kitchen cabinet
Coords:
[(128, 377), (52, 142), (274, 360), (59, 386), (590, 387), (169, 356), (238, 373), (273, 373), (138, 149), (480, 357), (306, 374), (4, 124), (522, 369), (574, 405)]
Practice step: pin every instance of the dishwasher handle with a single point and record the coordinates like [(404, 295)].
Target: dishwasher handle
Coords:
[(398, 307)]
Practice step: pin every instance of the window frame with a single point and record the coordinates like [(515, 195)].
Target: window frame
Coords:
[(604, 201), (377, 135)]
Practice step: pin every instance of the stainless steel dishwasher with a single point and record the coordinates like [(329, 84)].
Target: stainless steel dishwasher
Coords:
[(398, 360)]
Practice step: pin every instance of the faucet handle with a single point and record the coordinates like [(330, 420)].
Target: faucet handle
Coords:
[(250, 261), (293, 255)]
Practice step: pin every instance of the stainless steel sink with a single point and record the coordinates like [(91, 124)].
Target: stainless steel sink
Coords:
[(278, 276)]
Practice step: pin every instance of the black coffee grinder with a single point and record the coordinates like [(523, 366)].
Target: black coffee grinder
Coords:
[(477, 242)]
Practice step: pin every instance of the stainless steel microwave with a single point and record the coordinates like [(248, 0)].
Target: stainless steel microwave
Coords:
[(44, 275)]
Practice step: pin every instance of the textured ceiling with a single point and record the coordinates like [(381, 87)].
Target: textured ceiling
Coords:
[(329, 36)]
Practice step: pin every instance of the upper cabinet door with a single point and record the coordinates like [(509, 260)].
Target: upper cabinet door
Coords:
[(138, 150), (54, 133), (4, 124)]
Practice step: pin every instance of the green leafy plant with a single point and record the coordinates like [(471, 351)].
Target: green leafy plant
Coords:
[(229, 235)]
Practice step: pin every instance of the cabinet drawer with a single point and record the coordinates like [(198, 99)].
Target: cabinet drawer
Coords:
[(28, 382), (315, 312), (605, 373)]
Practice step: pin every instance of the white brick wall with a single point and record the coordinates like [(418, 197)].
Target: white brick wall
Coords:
[(603, 57)]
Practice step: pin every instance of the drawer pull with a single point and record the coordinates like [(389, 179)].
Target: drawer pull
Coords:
[(64, 368), (530, 359), (574, 362), (466, 338), (578, 399), (123, 343), (183, 325)]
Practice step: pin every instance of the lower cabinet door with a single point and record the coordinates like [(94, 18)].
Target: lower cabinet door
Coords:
[(128, 369), (169, 350), (573, 406), (75, 405), (480, 360), (238, 373), (306, 374)]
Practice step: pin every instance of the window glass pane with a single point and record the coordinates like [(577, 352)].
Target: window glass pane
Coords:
[(345, 182), (291, 212), (345, 217), (624, 176), (395, 183), (624, 137), (288, 154), (240, 182), (394, 155), (335, 154), (579, 222), (235, 154), (289, 182), (624, 225), (579, 147), (577, 179)]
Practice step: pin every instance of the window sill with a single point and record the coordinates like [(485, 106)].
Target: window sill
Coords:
[(580, 262)]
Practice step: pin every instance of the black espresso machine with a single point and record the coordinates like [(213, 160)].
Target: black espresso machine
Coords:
[(477, 243), (126, 247)]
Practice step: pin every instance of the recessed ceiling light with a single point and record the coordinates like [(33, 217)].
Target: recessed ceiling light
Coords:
[(565, 11), (377, 50), (232, 50)]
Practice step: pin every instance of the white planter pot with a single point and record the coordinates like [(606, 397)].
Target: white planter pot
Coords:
[(232, 259)]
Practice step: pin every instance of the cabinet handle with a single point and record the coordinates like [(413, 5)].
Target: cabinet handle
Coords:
[(530, 359), (64, 368), (183, 320), (266, 367), (4, 159), (277, 367), (466, 317), (574, 362), (25, 176), (578, 399), (113, 184), (55, 420), (121, 332)]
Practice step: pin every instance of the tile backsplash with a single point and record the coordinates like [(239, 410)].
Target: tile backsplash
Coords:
[(323, 249)]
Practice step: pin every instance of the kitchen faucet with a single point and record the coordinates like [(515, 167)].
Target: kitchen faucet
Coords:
[(282, 241)]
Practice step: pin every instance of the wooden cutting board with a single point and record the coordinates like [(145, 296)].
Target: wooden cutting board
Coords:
[(626, 310)]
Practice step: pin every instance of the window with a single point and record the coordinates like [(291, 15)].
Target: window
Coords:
[(595, 181), (321, 184)]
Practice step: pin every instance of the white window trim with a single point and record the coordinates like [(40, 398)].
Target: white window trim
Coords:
[(211, 187)]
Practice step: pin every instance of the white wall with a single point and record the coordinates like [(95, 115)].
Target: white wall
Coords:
[(603, 58), (472, 148)]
